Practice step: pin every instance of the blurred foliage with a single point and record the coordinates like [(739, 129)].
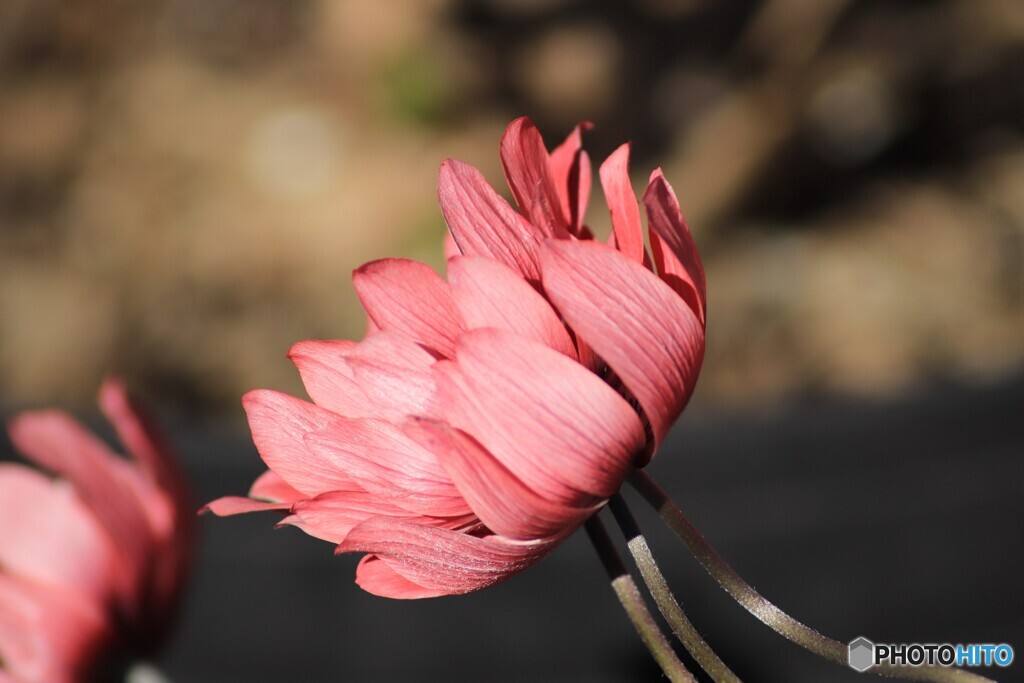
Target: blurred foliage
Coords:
[(186, 186)]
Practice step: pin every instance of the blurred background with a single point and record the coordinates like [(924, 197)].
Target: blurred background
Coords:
[(185, 188)]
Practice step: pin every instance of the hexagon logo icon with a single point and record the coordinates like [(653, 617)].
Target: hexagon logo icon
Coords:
[(862, 654)]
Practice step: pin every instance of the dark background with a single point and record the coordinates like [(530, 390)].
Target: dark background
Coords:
[(185, 188), (898, 521)]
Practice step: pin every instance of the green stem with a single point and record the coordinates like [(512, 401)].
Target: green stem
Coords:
[(629, 595), (663, 597), (764, 610)]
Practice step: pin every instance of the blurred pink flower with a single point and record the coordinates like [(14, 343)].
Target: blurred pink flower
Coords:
[(92, 561), (485, 417)]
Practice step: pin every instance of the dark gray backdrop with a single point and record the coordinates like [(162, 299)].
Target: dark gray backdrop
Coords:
[(898, 521)]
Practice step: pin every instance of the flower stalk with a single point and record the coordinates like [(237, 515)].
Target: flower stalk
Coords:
[(760, 607), (632, 601), (669, 607)]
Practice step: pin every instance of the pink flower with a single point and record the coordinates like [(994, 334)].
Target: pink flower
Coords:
[(485, 417), (92, 562)]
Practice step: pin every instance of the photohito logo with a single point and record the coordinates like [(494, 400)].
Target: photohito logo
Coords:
[(864, 654)]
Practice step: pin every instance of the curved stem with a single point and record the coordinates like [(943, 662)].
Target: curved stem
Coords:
[(629, 595), (764, 610), (663, 597)]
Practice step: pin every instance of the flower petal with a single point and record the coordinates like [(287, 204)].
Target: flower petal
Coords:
[(374, 576), (409, 297), (385, 376), (329, 381), (237, 505), (555, 425), (49, 634), (330, 516), (634, 321), (675, 252), (279, 424), (504, 503), (440, 560), (488, 294), (618, 192), (141, 437), (48, 535), (450, 247), (382, 460), (525, 160), (169, 505), (570, 169), (270, 487), (483, 224), (109, 486), (394, 374)]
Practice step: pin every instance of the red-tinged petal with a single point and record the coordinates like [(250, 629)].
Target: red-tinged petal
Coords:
[(679, 265), (142, 438), (380, 459), (114, 491), (279, 425), (451, 249), (371, 328), (647, 257), (394, 374), (525, 160), (490, 295), (441, 560), (570, 169), (330, 516), (237, 505), (169, 507), (48, 535), (618, 192), (584, 183), (164, 493), (385, 376), (588, 358), (374, 576), (270, 487), (410, 298), (21, 651), (49, 634), (556, 426), (483, 224), (504, 503), (323, 367), (675, 275), (634, 321), (563, 158)]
